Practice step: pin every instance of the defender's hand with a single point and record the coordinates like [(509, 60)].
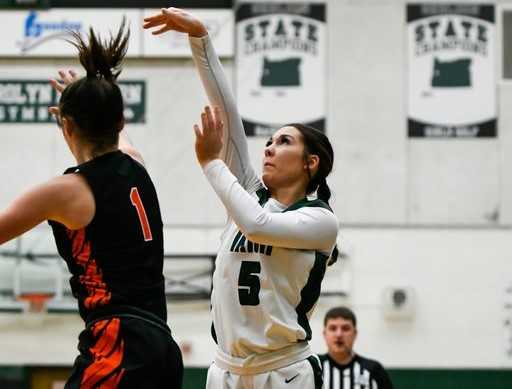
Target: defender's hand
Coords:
[(66, 78)]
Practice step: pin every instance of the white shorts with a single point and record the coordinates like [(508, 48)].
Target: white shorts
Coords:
[(306, 374)]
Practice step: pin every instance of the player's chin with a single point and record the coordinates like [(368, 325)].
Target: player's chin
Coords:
[(268, 179)]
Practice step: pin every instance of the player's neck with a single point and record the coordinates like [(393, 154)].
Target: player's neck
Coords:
[(342, 358), (289, 195), (85, 153)]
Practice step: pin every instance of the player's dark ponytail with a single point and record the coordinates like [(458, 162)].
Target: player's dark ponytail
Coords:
[(323, 191), (317, 143), (95, 102), (102, 59)]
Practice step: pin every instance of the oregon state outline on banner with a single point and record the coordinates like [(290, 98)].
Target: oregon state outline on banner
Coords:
[(451, 70), (280, 65)]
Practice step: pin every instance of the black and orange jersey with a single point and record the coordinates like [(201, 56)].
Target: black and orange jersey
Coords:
[(117, 260)]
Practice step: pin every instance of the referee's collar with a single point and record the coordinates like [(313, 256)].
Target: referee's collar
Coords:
[(339, 366)]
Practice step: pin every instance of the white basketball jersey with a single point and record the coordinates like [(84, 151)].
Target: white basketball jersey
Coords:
[(263, 295)]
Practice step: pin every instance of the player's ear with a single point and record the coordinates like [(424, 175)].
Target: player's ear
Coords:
[(66, 126)]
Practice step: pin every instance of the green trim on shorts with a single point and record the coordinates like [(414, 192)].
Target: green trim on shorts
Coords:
[(317, 371)]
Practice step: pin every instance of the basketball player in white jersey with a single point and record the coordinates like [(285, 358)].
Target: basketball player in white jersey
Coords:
[(276, 244)]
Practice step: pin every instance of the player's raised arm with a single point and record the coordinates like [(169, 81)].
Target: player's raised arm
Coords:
[(235, 151), (303, 228)]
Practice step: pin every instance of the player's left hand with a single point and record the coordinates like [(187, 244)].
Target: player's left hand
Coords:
[(209, 138), (66, 78), (59, 84)]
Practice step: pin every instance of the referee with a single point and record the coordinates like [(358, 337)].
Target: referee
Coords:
[(344, 369)]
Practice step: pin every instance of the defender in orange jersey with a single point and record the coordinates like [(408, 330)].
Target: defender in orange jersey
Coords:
[(106, 220)]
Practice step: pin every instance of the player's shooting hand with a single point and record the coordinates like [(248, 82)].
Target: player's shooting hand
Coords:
[(175, 19), (209, 138)]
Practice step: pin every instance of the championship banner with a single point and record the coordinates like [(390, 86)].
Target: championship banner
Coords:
[(280, 65), (27, 101), (38, 33), (452, 80)]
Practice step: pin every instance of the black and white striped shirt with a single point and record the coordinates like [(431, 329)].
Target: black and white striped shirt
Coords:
[(359, 373)]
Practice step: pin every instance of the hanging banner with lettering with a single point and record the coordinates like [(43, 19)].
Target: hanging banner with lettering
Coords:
[(451, 66), (280, 64), (43, 33), (27, 101)]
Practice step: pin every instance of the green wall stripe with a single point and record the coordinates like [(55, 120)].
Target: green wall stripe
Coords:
[(195, 377), (450, 378)]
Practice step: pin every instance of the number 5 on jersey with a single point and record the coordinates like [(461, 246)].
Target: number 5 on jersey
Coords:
[(143, 218), (249, 283)]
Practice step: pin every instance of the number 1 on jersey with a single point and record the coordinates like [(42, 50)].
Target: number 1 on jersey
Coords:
[(143, 218)]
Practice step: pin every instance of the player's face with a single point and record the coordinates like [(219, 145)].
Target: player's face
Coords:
[(340, 335), (284, 163)]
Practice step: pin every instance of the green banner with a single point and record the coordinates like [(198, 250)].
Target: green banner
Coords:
[(134, 97), (27, 101)]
